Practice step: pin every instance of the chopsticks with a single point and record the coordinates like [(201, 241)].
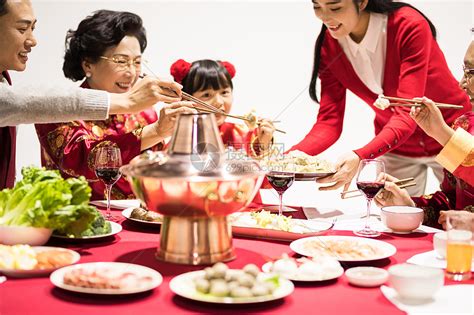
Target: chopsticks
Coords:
[(401, 183), (208, 108), (413, 102)]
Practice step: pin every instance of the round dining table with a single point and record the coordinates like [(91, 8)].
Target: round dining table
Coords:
[(137, 244)]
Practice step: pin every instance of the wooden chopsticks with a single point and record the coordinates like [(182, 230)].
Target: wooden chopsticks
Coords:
[(413, 102), (208, 108), (401, 183)]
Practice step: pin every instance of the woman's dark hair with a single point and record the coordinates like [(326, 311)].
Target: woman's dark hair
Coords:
[(3, 7), (95, 34), (376, 6), (205, 74)]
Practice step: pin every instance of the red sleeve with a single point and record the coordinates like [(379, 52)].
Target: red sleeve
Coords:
[(466, 173), (328, 126), (415, 40), (71, 149)]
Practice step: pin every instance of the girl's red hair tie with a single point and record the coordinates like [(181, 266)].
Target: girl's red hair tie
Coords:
[(229, 67), (179, 70)]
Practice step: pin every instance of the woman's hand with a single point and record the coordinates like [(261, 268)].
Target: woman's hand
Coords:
[(163, 127), (430, 119), (346, 169), (265, 132), (460, 216), (392, 195), (144, 94)]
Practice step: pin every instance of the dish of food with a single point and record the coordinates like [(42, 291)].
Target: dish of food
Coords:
[(34, 261), (143, 216), (114, 229), (267, 225), (219, 284), (343, 248), (106, 278), (305, 269), (305, 167)]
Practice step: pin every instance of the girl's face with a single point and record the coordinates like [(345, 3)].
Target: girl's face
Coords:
[(467, 81), (221, 99), (340, 16), (118, 69)]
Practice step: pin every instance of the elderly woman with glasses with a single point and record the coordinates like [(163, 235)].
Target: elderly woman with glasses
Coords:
[(105, 50)]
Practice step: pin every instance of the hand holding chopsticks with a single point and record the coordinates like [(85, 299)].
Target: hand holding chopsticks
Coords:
[(401, 183), (383, 102)]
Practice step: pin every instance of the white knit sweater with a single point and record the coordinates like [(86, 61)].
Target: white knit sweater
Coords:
[(39, 105)]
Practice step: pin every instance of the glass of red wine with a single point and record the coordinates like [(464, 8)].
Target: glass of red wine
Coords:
[(370, 180), (280, 181), (107, 163)]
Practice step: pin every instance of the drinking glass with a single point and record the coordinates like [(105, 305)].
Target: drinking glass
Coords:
[(370, 180), (280, 181), (107, 163), (459, 249)]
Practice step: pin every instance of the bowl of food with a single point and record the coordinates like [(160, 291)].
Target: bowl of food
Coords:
[(402, 219), (415, 282), (34, 236)]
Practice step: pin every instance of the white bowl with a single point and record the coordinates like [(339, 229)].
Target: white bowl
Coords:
[(12, 235), (440, 243), (415, 282), (367, 276), (402, 219)]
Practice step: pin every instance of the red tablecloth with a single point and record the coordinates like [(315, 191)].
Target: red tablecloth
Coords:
[(137, 244)]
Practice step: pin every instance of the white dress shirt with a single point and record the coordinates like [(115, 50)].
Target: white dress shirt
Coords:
[(368, 56)]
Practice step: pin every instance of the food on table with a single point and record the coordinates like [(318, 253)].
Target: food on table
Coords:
[(341, 249), (268, 220), (99, 226), (220, 281), (24, 257), (317, 268), (145, 215), (298, 162), (105, 278), (381, 102), (44, 199)]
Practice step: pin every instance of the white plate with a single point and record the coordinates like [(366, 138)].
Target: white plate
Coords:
[(386, 250), (244, 225), (40, 272), (116, 228), (183, 285), (156, 278), (301, 278), (117, 204), (127, 214)]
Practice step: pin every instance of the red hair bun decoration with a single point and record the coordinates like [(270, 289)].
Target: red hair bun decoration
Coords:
[(179, 70), (229, 67)]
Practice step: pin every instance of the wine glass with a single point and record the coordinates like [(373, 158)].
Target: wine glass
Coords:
[(280, 181), (370, 180), (107, 163)]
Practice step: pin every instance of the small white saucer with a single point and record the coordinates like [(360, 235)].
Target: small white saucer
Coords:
[(367, 276)]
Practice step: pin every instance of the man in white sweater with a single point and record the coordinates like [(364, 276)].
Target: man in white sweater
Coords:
[(19, 106)]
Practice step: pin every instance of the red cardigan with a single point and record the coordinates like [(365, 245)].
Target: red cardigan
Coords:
[(7, 152), (414, 67)]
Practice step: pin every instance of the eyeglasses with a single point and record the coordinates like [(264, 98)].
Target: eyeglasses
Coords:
[(468, 72), (123, 63)]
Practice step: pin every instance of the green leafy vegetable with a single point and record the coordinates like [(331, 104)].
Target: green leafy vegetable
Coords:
[(44, 199)]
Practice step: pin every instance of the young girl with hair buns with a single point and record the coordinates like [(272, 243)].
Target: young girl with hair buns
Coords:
[(211, 82)]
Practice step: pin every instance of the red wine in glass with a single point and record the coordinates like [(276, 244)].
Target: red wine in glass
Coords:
[(370, 180), (109, 175), (280, 182), (108, 160), (370, 189)]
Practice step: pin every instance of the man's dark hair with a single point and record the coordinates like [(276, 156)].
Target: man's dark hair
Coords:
[(3, 7)]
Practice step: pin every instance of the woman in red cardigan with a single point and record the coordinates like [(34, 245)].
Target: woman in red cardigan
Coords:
[(106, 50), (373, 47)]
